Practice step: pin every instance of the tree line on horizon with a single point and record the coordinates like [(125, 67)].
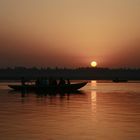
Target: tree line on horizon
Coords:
[(71, 73), (64, 68)]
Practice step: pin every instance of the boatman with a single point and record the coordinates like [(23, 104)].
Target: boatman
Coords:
[(62, 82), (68, 81), (23, 81)]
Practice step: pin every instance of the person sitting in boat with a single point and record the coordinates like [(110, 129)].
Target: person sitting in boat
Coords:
[(50, 81), (44, 82), (37, 82), (41, 82), (54, 82), (61, 82)]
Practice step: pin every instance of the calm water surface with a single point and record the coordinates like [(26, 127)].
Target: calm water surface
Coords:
[(102, 111)]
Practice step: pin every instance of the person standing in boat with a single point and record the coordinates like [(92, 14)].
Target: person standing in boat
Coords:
[(23, 81), (61, 82), (68, 81)]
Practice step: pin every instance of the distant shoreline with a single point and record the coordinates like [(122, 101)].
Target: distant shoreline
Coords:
[(99, 81), (72, 74)]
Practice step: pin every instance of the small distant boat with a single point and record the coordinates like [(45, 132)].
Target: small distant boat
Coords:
[(66, 87), (120, 80)]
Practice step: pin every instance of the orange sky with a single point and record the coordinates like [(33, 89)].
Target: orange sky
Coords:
[(70, 33)]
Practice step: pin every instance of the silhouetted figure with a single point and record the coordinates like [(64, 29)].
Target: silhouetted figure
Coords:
[(23, 81), (41, 82), (54, 82), (50, 81), (68, 81), (46, 82), (37, 82), (62, 82)]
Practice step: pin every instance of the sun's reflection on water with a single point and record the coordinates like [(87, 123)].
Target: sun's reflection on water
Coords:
[(93, 84), (93, 101), (93, 96)]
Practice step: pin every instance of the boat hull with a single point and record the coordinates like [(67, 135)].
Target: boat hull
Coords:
[(119, 81), (67, 87)]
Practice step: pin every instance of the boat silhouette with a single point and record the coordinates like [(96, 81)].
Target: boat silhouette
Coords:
[(119, 80), (33, 87)]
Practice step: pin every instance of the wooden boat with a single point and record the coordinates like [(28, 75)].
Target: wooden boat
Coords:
[(66, 87), (120, 80)]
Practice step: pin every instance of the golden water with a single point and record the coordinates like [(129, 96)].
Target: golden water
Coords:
[(103, 111)]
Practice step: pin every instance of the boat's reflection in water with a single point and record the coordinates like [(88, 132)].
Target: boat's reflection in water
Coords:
[(50, 94)]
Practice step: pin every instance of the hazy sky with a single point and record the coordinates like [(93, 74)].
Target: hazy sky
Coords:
[(70, 33)]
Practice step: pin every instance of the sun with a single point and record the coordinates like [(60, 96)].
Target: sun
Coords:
[(93, 64)]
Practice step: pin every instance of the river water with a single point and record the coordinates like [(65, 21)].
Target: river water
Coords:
[(101, 111)]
